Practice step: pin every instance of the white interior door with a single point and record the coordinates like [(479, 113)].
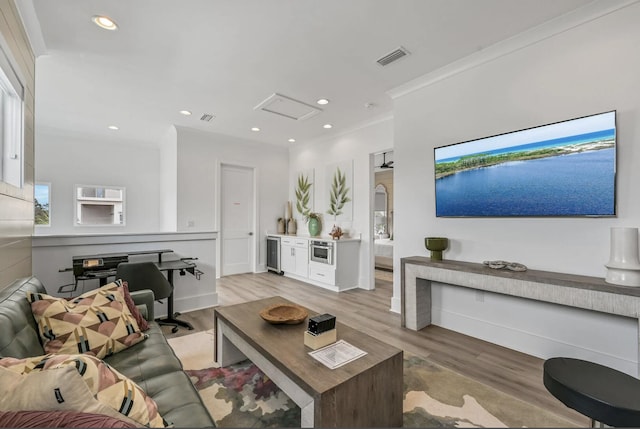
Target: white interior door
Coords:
[(237, 219)]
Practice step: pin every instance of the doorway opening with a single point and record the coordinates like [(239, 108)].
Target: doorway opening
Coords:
[(382, 231)]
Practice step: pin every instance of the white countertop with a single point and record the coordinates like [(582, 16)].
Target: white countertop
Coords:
[(319, 238)]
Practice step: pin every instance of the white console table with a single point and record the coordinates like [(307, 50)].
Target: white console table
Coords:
[(590, 293)]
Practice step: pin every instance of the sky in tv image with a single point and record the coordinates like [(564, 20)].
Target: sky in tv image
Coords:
[(562, 169)]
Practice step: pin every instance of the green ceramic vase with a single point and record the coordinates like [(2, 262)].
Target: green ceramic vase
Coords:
[(314, 227), (436, 245)]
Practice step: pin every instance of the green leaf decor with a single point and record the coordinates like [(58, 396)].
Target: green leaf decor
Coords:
[(339, 193), (303, 189)]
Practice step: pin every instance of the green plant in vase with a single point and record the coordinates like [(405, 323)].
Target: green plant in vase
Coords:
[(314, 224)]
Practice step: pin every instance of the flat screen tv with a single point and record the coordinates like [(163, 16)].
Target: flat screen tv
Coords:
[(566, 168)]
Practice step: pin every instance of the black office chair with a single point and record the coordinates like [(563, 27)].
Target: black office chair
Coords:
[(146, 275)]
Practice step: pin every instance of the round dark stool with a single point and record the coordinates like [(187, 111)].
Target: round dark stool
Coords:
[(604, 394)]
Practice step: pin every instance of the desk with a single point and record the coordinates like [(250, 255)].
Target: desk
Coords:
[(105, 265), (102, 266), (170, 267)]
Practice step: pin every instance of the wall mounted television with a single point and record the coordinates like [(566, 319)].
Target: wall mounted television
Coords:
[(562, 169)]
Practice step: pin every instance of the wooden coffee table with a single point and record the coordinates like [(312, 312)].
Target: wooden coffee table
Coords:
[(364, 393)]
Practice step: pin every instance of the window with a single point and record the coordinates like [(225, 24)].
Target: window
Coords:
[(42, 198), (99, 205), (11, 124)]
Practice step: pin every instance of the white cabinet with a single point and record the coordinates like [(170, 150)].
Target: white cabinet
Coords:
[(343, 272), (322, 273), (295, 256)]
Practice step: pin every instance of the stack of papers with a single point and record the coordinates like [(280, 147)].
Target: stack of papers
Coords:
[(337, 354)]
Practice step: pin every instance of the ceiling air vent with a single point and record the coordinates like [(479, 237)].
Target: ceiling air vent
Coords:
[(393, 56), (288, 107), (207, 117)]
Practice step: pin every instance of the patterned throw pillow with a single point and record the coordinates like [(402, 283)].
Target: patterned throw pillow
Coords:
[(105, 385), (142, 322), (97, 322)]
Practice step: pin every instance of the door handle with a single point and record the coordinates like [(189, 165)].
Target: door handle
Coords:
[(251, 233)]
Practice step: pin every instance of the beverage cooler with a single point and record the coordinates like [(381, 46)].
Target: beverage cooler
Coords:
[(273, 254)]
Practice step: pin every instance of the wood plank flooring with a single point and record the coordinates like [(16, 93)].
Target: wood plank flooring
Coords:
[(509, 371)]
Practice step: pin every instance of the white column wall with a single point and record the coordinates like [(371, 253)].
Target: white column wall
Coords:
[(169, 181)]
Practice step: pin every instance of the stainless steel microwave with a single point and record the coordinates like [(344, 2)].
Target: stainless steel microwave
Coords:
[(322, 252)]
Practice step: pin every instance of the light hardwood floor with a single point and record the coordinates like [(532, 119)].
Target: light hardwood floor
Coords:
[(512, 372)]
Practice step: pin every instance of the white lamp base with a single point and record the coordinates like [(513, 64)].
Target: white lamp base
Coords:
[(624, 277), (623, 267)]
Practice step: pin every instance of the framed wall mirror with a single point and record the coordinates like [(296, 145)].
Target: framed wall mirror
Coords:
[(380, 212)]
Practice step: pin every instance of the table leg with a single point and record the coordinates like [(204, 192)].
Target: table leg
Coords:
[(226, 353), (171, 314), (416, 306), (232, 348)]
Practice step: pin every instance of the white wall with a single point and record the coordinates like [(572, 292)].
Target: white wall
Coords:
[(356, 145), (66, 159), (169, 181), (199, 157), (588, 69)]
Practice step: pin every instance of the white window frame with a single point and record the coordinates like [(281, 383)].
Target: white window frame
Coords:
[(11, 123), (48, 185), (77, 202)]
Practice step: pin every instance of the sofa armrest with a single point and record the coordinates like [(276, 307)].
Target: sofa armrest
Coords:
[(144, 298)]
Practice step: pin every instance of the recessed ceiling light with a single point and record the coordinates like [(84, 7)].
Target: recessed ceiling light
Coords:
[(292, 140), (185, 112), (113, 127), (322, 101), (256, 129), (327, 126), (104, 22)]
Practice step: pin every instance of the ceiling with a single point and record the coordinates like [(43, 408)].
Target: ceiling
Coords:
[(224, 57)]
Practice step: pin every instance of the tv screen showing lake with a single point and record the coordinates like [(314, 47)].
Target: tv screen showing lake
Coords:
[(577, 184), (566, 168)]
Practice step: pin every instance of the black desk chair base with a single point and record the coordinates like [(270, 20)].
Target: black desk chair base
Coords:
[(176, 323)]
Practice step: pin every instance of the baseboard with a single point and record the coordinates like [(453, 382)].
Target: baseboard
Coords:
[(526, 342), (396, 305)]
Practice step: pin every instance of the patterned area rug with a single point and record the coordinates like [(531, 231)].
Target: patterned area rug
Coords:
[(241, 395)]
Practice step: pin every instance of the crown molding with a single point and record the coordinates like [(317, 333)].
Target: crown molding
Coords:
[(590, 12), (31, 24)]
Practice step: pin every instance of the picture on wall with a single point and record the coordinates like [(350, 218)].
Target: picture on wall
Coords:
[(304, 193), (566, 168), (340, 191)]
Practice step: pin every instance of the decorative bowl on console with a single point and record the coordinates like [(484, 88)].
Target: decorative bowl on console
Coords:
[(436, 245)]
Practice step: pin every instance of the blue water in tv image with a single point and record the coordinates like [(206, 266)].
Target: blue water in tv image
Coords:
[(567, 176)]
